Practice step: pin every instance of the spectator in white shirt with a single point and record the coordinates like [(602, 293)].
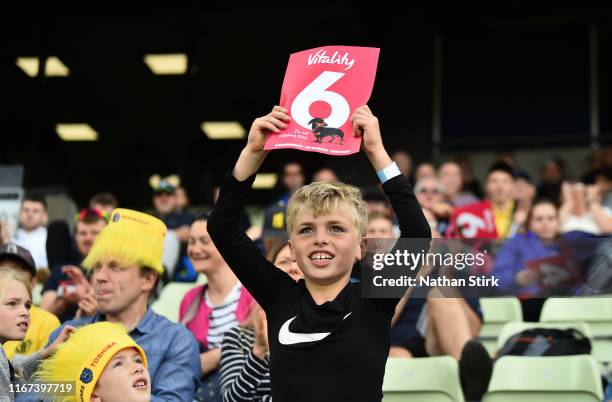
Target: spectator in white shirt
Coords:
[(32, 231)]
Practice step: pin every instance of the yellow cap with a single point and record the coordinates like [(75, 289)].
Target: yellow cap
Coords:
[(84, 356), (130, 237)]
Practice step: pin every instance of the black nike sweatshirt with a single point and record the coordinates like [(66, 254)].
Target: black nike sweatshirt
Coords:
[(330, 352)]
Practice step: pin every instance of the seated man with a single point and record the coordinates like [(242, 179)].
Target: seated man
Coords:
[(32, 231), (125, 262)]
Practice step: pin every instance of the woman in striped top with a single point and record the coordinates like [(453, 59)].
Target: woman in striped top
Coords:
[(245, 374), (209, 311)]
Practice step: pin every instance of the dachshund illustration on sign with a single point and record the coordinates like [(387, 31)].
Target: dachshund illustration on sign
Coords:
[(320, 130)]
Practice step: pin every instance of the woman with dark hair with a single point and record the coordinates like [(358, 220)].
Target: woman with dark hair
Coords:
[(210, 310), (539, 241)]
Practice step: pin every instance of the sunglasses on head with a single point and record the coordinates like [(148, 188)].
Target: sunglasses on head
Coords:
[(84, 213)]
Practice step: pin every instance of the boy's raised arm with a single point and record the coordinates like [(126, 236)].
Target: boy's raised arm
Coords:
[(410, 215), (253, 154), (256, 273), (366, 124), (403, 201)]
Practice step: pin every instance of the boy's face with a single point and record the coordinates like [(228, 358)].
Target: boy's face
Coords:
[(327, 246), (14, 312), (125, 379)]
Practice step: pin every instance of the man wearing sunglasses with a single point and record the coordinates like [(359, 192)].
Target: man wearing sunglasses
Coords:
[(67, 289)]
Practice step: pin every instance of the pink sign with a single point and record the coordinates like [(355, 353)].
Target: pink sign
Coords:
[(321, 90), (473, 221)]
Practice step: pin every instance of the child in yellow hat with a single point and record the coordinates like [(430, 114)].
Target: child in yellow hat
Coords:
[(125, 264), (105, 364)]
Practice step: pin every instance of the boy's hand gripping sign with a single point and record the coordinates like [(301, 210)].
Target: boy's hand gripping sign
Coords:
[(321, 90)]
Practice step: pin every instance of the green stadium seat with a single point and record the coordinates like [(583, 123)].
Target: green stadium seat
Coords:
[(428, 379), (545, 379), (497, 311), (170, 298), (596, 311)]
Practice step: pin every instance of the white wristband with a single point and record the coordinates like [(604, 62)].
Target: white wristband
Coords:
[(388, 173)]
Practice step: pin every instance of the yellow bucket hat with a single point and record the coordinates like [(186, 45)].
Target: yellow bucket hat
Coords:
[(130, 237), (84, 356)]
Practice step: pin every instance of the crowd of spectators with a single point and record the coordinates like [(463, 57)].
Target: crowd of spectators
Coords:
[(219, 350)]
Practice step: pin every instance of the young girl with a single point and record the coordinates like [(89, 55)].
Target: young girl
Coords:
[(327, 343), (539, 241), (105, 364), (15, 303)]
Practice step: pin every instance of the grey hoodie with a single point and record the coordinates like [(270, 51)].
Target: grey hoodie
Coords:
[(26, 366)]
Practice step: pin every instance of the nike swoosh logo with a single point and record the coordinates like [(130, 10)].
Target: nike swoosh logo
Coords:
[(286, 337)]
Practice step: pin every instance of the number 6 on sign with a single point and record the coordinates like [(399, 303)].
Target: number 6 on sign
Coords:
[(317, 91), (322, 87)]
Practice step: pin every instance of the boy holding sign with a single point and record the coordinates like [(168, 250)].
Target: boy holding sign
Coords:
[(327, 343)]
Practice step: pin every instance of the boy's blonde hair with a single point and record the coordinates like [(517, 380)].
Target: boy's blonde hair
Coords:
[(325, 197), (7, 275)]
